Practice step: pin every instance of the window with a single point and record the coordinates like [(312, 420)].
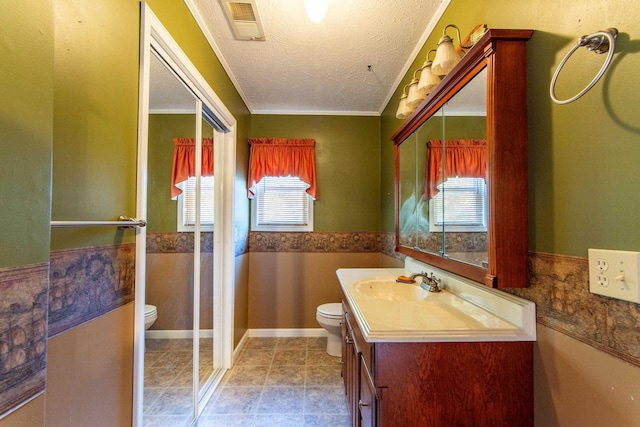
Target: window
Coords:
[(460, 205), (281, 204), (187, 204)]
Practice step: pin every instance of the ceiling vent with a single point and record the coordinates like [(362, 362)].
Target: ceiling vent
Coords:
[(244, 19)]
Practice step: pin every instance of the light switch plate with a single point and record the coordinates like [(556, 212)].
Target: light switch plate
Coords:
[(615, 274)]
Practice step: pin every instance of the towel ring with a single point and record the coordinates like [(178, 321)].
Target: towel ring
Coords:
[(599, 42)]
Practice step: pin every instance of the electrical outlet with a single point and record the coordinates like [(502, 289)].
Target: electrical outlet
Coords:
[(615, 274), (602, 280), (602, 264)]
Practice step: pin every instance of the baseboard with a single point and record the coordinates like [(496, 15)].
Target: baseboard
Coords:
[(240, 346), (176, 334), (270, 333)]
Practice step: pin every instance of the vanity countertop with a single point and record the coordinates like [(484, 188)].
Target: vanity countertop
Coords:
[(463, 312)]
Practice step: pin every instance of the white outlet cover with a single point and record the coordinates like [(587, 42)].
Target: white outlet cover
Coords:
[(621, 277)]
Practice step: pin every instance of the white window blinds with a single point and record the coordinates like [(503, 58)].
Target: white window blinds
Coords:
[(189, 202), (282, 204), (461, 202)]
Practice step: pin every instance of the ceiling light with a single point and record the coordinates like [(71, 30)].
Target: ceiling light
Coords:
[(446, 55), (316, 9)]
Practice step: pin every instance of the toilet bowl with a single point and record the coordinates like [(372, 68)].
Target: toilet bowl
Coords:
[(329, 316), (150, 315)]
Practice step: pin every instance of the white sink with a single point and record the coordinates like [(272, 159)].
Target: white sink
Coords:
[(388, 289), (388, 311)]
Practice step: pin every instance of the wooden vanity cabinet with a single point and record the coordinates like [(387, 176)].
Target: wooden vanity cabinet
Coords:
[(436, 384), (350, 368)]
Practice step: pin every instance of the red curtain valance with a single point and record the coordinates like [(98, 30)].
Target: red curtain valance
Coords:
[(184, 161), (465, 158), (282, 157)]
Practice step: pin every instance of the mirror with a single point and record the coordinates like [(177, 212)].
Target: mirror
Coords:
[(195, 270), (415, 231), (179, 351), (460, 207), (461, 167), (205, 341), (168, 368), (452, 222)]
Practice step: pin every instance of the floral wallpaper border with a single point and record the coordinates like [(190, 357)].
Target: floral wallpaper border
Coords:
[(315, 242), (86, 283), (23, 333), (559, 285)]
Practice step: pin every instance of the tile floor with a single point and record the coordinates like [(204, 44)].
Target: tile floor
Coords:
[(280, 382)]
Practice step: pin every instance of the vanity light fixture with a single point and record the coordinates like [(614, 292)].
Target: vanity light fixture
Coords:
[(446, 55), (316, 9), (428, 80), (403, 109)]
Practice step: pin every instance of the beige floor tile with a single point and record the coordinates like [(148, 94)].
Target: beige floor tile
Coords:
[(321, 357), (290, 357), (286, 376)]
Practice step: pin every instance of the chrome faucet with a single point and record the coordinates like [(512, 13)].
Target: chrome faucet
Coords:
[(429, 282)]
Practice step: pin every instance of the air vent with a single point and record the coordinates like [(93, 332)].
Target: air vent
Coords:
[(244, 19)]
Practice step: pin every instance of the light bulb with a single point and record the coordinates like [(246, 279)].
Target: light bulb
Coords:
[(316, 9)]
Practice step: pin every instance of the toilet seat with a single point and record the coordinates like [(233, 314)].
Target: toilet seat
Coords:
[(330, 310)]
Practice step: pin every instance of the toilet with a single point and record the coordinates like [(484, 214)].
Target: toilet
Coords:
[(150, 315), (329, 316)]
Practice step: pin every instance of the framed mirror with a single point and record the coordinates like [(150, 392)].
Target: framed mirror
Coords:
[(182, 269), (461, 167)]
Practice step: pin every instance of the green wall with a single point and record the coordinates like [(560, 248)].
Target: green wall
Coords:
[(347, 166), (176, 17), (26, 126), (95, 118), (162, 214), (96, 109), (583, 174)]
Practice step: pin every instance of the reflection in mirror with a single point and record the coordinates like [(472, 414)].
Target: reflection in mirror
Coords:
[(169, 263), (447, 217), (207, 203), (461, 203), (430, 239), (409, 193)]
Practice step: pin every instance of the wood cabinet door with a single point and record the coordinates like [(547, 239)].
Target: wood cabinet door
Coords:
[(367, 402)]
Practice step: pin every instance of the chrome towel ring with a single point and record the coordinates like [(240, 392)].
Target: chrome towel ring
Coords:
[(600, 42)]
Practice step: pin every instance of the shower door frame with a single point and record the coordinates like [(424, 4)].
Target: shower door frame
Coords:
[(155, 36)]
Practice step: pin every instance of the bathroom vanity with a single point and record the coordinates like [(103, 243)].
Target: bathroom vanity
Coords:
[(461, 357)]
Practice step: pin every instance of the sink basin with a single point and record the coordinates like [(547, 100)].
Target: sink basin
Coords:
[(388, 289)]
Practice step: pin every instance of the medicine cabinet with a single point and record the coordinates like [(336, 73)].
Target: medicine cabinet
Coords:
[(481, 103)]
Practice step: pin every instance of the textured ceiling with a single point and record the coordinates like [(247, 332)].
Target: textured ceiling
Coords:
[(306, 68), (167, 93)]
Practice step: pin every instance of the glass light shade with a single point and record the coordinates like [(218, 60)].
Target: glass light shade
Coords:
[(415, 96), (446, 57), (403, 110), (428, 80), (316, 9)]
